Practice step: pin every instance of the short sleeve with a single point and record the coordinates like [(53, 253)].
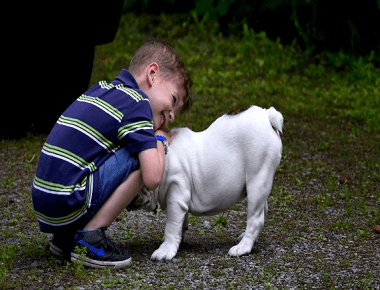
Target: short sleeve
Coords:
[(136, 130)]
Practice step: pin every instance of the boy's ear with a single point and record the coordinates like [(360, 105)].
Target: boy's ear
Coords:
[(152, 73)]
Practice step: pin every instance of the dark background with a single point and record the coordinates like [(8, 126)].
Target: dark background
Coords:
[(318, 25), (61, 37)]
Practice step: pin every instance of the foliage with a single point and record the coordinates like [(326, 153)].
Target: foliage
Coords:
[(220, 221), (252, 69), (315, 24)]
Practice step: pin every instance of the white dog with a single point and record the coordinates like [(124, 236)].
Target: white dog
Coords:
[(207, 172)]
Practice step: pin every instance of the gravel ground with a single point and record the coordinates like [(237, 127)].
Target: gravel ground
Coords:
[(318, 234), (202, 261)]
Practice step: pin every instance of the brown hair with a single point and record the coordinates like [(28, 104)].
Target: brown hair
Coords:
[(171, 66)]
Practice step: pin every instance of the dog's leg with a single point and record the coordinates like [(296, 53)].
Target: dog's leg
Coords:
[(265, 216), (185, 226), (240, 237), (176, 212), (257, 192), (266, 210)]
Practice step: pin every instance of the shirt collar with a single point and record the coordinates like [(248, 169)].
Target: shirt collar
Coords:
[(127, 79)]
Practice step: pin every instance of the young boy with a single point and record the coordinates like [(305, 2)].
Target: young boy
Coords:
[(103, 148)]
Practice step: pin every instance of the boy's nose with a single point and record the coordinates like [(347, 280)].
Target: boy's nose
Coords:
[(171, 117)]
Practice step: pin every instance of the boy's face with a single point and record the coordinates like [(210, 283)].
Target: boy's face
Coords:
[(166, 100)]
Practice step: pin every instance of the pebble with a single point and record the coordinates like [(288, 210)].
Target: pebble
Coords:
[(202, 261)]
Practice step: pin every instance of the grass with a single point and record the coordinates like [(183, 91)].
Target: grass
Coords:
[(235, 72), (327, 186)]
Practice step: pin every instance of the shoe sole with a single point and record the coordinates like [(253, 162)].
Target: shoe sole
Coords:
[(101, 264), (56, 251)]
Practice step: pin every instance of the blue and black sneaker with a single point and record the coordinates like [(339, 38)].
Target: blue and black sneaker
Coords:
[(62, 244), (101, 252)]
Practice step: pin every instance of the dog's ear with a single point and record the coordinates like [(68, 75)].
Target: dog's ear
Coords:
[(142, 198), (153, 198), (146, 191)]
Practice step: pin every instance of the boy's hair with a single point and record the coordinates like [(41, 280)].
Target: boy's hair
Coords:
[(171, 67)]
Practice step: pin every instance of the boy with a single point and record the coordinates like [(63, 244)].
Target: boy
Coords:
[(103, 149)]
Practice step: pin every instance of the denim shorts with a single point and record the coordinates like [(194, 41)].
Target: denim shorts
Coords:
[(113, 172)]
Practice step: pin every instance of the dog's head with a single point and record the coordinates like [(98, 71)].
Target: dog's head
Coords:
[(145, 199)]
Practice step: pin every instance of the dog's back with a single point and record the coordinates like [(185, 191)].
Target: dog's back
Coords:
[(250, 129), (258, 133), (253, 126), (252, 112)]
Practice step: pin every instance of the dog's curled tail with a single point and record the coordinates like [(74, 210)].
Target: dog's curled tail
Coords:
[(276, 119)]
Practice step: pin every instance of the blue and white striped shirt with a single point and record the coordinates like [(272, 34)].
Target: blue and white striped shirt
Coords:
[(95, 126)]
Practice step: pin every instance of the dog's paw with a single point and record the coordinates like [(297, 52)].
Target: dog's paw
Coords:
[(243, 248), (237, 251), (164, 252)]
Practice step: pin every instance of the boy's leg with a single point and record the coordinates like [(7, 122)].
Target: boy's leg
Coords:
[(117, 202), (102, 252)]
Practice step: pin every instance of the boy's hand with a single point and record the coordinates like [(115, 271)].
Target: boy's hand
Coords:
[(152, 163), (169, 135)]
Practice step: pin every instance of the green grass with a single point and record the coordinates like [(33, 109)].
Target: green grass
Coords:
[(328, 181), (234, 72)]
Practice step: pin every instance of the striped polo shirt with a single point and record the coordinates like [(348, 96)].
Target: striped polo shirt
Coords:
[(107, 116)]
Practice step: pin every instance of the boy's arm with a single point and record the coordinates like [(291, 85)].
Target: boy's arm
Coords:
[(152, 162), (152, 165)]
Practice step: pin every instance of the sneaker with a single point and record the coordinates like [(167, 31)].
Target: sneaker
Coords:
[(61, 244), (101, 252)]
